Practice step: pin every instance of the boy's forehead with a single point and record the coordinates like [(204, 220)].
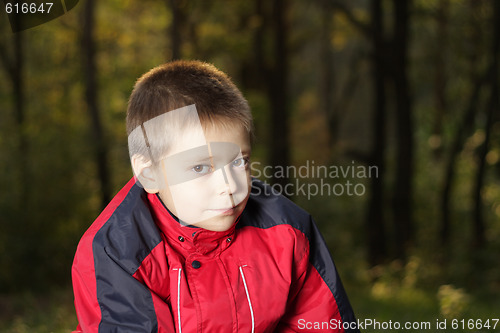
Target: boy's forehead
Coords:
[(195, 136), (187, 139), (183, 131)]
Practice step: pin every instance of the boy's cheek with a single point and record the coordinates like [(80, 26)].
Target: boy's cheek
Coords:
[(196, 200), (166, 198)]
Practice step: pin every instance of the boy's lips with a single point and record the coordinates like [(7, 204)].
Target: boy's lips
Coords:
[(224, 211)]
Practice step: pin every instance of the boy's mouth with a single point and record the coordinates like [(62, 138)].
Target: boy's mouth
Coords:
[(224, 211)]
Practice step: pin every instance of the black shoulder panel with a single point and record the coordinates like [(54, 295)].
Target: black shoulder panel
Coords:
[(119, 247)]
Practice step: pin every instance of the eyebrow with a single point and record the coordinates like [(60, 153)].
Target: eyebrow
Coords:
[(247, 152), (206, 159)]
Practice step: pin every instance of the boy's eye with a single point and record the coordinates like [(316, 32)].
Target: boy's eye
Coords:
[(201, 169), (240, 162)]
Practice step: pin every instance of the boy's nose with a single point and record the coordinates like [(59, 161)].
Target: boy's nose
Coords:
[(230, 179)]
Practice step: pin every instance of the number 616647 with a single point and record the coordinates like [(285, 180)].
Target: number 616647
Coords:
[(28, 7)]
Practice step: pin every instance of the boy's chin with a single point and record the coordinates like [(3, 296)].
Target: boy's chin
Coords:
[(224, 220), (217, 223)]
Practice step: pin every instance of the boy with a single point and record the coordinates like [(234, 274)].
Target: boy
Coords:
[(191, 243)]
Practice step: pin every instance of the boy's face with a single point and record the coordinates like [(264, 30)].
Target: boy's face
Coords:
[(207, 176)]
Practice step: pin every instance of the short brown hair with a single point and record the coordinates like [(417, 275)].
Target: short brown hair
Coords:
[(181, 83)]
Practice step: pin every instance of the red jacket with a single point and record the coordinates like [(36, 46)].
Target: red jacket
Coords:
[(137, 269)]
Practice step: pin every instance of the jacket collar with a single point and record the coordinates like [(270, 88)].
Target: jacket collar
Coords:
[(190, 238)]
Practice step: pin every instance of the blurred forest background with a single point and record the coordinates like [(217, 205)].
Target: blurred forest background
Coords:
[(411, 87)]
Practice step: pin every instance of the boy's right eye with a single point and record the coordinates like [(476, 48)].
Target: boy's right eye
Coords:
[(201, 168)]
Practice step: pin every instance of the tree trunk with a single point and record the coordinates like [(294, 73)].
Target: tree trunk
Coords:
[(175, 28), (19, 106), (327, 82), (14, 67), (464, 130), (17, 228), (403, 190), (440, 103), (258, 42), (482, 151), (98, 139), (277, 90), (377, 247)]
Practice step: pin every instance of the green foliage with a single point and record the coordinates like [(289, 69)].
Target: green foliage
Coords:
[(453, 302), (397, 294), (48, 312)]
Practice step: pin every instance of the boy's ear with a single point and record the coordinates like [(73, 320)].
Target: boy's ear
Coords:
[(143, 170)]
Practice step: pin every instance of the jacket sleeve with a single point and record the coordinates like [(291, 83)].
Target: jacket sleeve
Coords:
[(108, 298), (317, 301)]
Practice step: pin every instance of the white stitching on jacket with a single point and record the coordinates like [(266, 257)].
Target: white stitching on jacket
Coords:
[(248, 297), (179, 297)]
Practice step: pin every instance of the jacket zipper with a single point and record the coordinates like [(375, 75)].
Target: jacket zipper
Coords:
[(248, 297)]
